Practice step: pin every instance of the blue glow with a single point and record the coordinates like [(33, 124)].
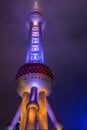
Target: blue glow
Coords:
[(34, 56), (35, 40), (35, 48), (35, 51), (35, 34)]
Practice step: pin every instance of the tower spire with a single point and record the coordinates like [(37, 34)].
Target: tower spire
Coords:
[(35, 5)]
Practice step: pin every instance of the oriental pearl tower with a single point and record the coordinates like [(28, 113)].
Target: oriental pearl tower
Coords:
[(34, 82)]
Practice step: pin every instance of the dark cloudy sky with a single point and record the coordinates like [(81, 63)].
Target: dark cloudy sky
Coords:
[(65, 47)]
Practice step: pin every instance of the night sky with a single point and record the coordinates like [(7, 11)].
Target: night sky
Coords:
[(65, 47)]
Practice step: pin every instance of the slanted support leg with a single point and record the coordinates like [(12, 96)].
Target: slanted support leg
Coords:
[(15, 119), (53, 118)]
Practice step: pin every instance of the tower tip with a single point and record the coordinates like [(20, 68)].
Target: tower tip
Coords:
[(36, 5)]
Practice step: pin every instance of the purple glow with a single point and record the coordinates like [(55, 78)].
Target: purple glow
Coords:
[(35, 40), (15, 119), (35, 34), (53, 116), (35, 51), (35, 48)]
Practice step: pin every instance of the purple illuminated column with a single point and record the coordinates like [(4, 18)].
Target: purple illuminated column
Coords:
[(35, 51)]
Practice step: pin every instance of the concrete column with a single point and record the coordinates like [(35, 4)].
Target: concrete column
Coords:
[(23, 119), (32, 109), (32, 113), (42, 114)]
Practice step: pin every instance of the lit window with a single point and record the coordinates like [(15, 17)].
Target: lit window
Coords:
[(35, 48), (35, 28), (35, 34), (35, 40), (35, 23), (34, 57)]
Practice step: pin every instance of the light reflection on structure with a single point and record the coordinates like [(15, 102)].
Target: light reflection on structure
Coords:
[(34, 82)]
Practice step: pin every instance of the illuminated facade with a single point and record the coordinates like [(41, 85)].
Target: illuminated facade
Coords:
[(34, 82), (35, 23)]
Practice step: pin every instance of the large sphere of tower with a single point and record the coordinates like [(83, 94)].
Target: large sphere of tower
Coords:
[(34, 75), (35, 17)]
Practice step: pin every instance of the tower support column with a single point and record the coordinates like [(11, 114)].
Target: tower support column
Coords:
[(32, 113), (23, 119), (32, 109), (42, 114)]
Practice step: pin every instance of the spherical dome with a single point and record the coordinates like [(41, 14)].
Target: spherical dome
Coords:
[(34, 75)]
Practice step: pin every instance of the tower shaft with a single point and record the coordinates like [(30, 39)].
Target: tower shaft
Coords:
[(35, 50)]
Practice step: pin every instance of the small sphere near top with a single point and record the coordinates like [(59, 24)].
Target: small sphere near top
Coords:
[(35, 17)]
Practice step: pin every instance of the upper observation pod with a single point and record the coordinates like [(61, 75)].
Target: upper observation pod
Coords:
[(35, 17), (35, 24)]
